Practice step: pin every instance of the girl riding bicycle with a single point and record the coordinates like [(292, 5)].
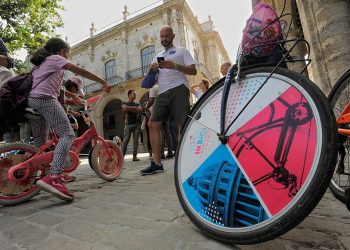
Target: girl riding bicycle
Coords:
[(50, 62)]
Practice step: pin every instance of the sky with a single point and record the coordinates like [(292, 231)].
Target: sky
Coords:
[(229, 17)]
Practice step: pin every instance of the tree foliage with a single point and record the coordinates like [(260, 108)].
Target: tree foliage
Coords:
[(27, 24)]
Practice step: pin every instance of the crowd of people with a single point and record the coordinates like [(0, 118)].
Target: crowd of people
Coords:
[(162, 116)]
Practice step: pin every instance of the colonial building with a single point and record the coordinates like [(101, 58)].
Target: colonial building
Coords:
[(122, 54), (325, 24)]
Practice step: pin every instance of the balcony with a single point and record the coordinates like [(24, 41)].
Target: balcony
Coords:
[(114, 80), (136, 73)]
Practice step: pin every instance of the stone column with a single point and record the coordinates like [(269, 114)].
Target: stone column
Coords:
[(126, 49), (175, 25), (326, 26), (213, 61)]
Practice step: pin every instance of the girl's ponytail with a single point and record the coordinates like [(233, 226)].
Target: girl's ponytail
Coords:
[(52, 47), (39, 56)]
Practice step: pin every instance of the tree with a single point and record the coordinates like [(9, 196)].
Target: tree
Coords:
[(27, 24)]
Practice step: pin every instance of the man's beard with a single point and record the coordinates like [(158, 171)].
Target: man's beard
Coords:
[(166, 43)]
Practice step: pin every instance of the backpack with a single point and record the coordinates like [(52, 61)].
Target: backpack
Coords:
[(262, 27), (13, 99)]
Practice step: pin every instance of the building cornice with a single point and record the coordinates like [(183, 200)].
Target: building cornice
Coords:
[(130, 24)]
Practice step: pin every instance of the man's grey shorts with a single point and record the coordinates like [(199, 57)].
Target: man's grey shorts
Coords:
[(175, 101)]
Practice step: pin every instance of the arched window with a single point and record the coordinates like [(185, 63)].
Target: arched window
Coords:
[(147, 55), (111, 71)]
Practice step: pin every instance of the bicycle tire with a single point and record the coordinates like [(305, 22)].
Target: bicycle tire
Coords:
[(105, 169), (215, 185), (13, 193), (341, 182), (89, 157)]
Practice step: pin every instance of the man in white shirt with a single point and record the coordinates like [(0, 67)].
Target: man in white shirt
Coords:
[(174, 63)]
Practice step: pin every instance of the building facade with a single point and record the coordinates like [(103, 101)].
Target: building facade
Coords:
[(122, 54), (325, 24)]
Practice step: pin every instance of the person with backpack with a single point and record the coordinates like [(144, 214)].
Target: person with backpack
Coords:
[(50, 63)]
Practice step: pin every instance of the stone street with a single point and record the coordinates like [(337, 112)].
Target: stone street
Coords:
[(143, 212)]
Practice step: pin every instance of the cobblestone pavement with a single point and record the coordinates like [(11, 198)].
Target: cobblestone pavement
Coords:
[(136, 212)]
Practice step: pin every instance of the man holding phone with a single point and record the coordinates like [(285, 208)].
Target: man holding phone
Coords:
[(174, 63), (160, 60)]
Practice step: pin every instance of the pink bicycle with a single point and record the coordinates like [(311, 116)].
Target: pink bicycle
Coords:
[(21, 164)]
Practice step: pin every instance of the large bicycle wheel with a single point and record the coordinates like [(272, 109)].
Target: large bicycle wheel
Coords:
[(339, 98), (275, 167), (105, 168), (12, 193)]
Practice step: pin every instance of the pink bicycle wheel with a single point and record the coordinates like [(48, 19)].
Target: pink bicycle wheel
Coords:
[(107, 169), (15, 192)]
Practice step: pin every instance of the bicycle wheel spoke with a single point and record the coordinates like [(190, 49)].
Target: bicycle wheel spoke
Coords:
[(200, 123), (267, 95)]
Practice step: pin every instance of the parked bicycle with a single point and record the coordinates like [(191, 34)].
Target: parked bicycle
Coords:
[(258, 150), (21, 164), (339, 98)]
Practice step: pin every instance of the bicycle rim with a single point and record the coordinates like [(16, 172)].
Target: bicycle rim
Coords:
[(12, 193), (238, 192), (105, 168), (339, 98)]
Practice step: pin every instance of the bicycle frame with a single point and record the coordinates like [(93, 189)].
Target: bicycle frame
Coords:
[(344, 118), (42, 159)]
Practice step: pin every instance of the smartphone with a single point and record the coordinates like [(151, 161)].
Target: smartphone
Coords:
[(160, 59)]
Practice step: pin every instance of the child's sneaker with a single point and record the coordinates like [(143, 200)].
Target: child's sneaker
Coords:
[(154, 168), (67, 178), (54, 185)]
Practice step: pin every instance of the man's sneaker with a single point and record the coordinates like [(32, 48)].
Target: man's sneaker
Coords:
[(153, 169), (67, 178), (54, 185)]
